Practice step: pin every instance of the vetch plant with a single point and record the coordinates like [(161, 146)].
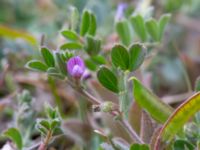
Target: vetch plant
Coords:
[(125, 59), (116, 91)]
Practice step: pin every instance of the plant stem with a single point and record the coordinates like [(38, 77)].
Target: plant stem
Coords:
[(33, 147), (82, 109), (123, 122), (130, 131), (124, 101), (91, 98), (44, 144), (112, 143)]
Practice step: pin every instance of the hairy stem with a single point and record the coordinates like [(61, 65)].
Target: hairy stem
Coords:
[(91, 98), (123, 122), (130, 131), (124, 101), (82, 109), (44, 144)]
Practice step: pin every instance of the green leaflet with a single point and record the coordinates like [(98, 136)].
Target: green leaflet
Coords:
[(44, 123), (69, 34), (90, 64), (88, 23), (137, 55), (120, 57), (85, 23), (152, 104), (156, 28), (93, 45), (99, 59), (55, 73), (15, 136), (74, 17), (124, 31), (183, 144), (71, 46), (61, 63), (93, 25), (48, 57), (138, 24), (179, 117), (36, 65), (108, 79), (153, 29), (162, 23)]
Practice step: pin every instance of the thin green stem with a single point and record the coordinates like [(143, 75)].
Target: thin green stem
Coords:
[(124, 101), (82, 109)]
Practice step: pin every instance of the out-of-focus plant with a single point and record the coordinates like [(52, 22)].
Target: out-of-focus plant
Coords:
[(49, 127), (147, 29), (22, 120)]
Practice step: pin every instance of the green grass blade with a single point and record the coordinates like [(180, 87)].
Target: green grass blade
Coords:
[(14, 34)]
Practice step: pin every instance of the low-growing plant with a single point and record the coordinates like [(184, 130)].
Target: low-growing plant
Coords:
[(82, 58)]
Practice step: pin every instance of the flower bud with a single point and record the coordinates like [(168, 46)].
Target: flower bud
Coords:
[(107, 106), (86, 75)]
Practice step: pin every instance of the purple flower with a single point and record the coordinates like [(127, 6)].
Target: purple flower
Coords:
[(76, 66), (120, 11)]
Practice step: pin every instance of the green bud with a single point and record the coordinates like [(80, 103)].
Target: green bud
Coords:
[(107, 107)]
